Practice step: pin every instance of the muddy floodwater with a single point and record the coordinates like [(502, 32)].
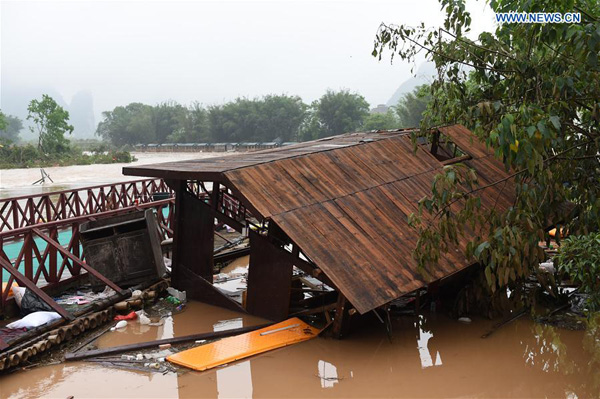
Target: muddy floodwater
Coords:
[(430, 356), (17, 182)]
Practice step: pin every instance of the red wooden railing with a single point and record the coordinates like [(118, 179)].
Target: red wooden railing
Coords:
[(28, 210), (27, 218)]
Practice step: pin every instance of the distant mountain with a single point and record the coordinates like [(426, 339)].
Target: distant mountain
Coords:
[(81, 111), (425, 74), (15, 99)]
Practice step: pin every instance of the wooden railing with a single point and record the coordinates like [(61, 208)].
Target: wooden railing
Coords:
[(36, 225), (29, 210)]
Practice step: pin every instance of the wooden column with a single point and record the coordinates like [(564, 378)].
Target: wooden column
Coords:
[(342, 318), (193, 241), (269, 279)]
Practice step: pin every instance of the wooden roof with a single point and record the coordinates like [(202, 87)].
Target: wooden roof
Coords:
[(345, 202)]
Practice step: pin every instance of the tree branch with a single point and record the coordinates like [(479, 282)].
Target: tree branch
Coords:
[(466, 194)]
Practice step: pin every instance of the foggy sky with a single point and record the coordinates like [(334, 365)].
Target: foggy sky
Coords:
[(209, 52)]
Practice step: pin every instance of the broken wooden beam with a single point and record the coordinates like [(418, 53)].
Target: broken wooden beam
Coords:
[(154, 344), (35, 289)]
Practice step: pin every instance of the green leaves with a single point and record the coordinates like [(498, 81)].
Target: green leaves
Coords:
[(51, 124), (532, 94), (480, 248), (555, 120), (579, 259)]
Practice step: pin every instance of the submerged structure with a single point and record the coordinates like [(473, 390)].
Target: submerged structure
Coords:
[(336, 208)]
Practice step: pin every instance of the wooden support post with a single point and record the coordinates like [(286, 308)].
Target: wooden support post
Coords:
[(269, 279), (214, 196), (341, 321), (193, 241)]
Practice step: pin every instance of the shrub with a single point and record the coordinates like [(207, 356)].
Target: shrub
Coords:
[(579, 257)]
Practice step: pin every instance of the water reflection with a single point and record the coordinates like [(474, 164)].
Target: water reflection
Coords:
[(547, 350), (520, 360), (424, 341), (233, 381), (327, 374)]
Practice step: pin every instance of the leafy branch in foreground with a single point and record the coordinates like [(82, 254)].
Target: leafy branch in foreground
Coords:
[(531, 92), (579, 258)]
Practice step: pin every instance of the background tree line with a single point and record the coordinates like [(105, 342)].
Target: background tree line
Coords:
[(264, 119)]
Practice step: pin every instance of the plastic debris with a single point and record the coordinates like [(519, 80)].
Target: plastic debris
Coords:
[(465, 320), (129, 316), (143, 319), (164, 346), (173, 300), (175, 293), (136, 294), (33, 320), (121, 324), (548, 267)]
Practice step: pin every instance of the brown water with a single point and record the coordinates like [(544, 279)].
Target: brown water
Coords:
[(18, 182), (440, 358)]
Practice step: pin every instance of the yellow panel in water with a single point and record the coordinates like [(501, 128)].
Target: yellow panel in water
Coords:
[(230, 349)]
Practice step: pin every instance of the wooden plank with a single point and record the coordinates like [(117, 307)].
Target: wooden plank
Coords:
[(346, 163), (303, 179), (352, 266), (155, 344), (465, 140), (200, 289), (241, 180)]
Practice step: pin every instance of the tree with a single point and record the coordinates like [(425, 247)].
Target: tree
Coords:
[(280, 118), (412, 105), (340, 112), (51, 123), (168, 118), (10, 132), (3, 122), (129, 125), (381, 121), (260, 119), (192, 126), (532, 93)]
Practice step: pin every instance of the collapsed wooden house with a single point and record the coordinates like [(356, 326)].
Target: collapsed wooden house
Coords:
[(336, 208)]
